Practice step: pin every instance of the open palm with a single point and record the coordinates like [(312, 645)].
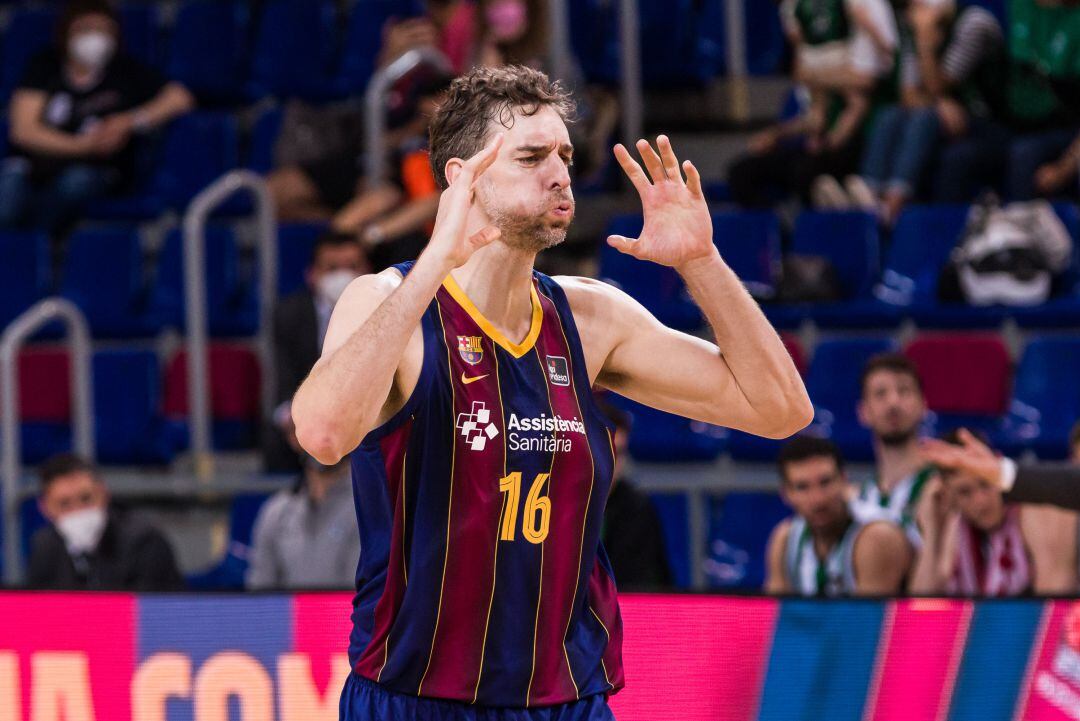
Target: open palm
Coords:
[(678, 228)]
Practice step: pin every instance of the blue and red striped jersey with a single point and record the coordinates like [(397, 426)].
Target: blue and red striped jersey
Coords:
[(481, 577)]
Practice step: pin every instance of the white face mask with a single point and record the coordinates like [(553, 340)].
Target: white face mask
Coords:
[(333, 284), (81, 530), (93, 49)]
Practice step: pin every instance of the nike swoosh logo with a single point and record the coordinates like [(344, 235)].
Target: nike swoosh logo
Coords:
[(467, 381)]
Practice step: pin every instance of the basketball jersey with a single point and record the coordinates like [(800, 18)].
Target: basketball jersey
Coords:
[(900, 505), (835, 575), (480, 505), (991, 564)]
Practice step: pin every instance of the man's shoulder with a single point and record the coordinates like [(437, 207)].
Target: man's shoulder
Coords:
[(588, 295)]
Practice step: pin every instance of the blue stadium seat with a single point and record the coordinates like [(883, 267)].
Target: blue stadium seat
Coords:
[(29, 32), (765, 42), (750, 243), (693, 50), (849, 240), (922, 240), (296, 241), (259, 156), (593, 37), (363, 38), (739, 528), (1046, 398), (209, 49), (140, 26), (657, 287), (228, 574), (231, 288), (660, 437), (833, 385), (295, 50), (129, 424), (24, 272), (104, 277), (179, 172), (673, 511)]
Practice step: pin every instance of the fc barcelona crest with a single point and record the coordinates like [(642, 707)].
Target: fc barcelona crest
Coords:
[(470, 348)]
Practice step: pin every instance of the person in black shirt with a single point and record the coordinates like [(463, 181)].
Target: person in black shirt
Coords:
[(632, 535), (73, 118), (89, 546)]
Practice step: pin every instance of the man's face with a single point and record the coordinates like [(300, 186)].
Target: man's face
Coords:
[(816, 490), (526, 191), (892, 407), (72, 492), (979, 501), (333, 258)]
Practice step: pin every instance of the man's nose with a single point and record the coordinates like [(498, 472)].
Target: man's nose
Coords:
[(560, 176)]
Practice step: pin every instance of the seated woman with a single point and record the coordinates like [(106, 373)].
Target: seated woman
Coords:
[(73, 119)]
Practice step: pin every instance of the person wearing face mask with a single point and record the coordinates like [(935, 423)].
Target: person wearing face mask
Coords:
[(75, 116), (300, 322), (306, 537), (90, 546)]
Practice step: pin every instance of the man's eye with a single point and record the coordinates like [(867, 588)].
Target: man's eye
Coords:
[(530, 160)]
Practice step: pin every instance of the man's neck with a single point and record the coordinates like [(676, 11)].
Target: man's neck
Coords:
[(895, 463), (826, 539), (498, 280)]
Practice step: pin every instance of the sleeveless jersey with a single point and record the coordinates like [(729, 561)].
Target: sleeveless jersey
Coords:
[(480, 505), (991, 564), (900, 505), (835, 575)]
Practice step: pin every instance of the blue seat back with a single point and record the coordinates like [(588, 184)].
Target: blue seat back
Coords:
[(264, 135), (295, 50), (364, 37), (660, 437), (127, 406), (750, 243), (921, 243), (1046, 396), (674, 514), (832, 382), (209, 49), (24, 272), (29, 32), (140, 27), (849, 240), (296, 242), (765, 42), (739, 528), (104, 276), (198, 149)]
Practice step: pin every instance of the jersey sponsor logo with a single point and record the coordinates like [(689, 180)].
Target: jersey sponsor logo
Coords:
[(558, 370), (466, 380), (543, 433), (476, 426), (470, 348)]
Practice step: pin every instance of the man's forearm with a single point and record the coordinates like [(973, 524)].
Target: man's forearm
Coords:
[(749, 345), (1054, 485), (342, 398)]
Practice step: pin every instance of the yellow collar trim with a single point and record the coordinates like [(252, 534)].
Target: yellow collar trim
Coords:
[(515, 349)]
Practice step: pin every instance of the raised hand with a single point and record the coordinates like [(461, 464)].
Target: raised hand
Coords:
[(450, 239), (678, 227), (973, 456)]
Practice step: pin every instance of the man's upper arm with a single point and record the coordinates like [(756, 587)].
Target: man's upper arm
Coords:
[(775, 580), (1050, 535), (882, 557)]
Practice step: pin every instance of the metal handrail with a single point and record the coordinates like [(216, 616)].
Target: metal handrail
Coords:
[(195, 292), (375, 106), (11, 342), (559, 50), (633, 110)]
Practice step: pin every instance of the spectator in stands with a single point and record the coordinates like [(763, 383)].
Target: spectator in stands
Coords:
[(952, 75), (977, 543), (827, 548), (892, 406), (513, 32), (391, 221), (300, 322), (844, 54), (447, 25), (89, 545), (633, 535), (75, 117), (1059, 176), (306, 537)]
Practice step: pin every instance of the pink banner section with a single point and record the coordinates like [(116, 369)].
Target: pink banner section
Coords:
[(1051, 689), (922, 644), (321, 627), (66, 657), (692, 658)]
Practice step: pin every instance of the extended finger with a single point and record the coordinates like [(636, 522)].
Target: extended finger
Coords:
[(972, 443), (652, 161), (667, 156), (693, 179), (631, 168), (476, 165)]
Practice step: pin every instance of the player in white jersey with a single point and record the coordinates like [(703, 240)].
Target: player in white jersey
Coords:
[(825, 549)]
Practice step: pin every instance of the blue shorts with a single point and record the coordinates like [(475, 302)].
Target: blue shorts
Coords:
[(365, 700)]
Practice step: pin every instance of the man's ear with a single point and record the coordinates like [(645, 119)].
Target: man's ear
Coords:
[(43, 510), (453, 167)]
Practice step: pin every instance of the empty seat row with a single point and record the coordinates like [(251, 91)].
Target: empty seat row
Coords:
[(877, 289), (968, 380), (140, 411)]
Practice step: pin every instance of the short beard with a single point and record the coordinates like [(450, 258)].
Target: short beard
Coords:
[(897, 439), (527, 233)]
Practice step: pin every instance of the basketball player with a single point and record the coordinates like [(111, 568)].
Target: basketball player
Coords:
[(978, 543), (893, 407), (826, 549), (462, 385)]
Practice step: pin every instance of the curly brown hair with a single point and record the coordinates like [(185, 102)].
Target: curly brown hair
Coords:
[(459, 128)]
